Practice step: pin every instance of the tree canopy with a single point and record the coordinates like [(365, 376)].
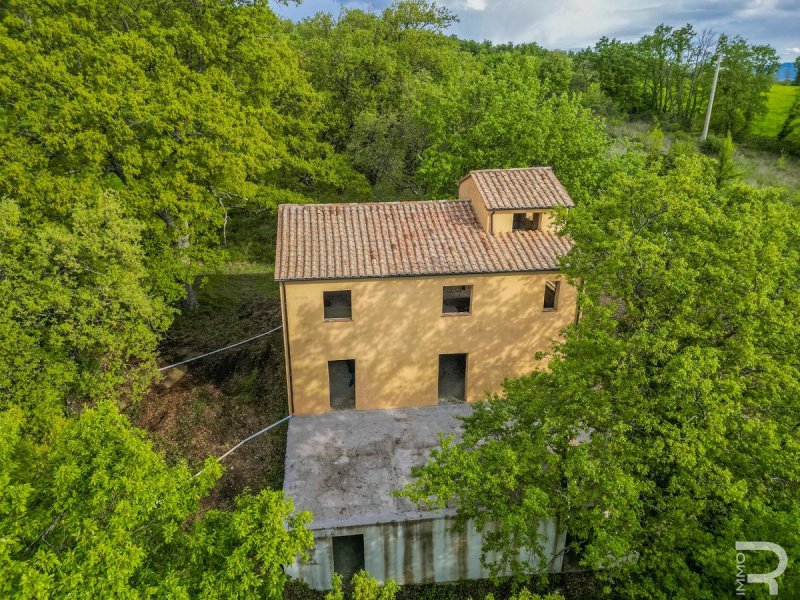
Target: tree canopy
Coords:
[(668, 73), (129, 134), (415, 110), (183, 108), (665, 429), (96, 513)]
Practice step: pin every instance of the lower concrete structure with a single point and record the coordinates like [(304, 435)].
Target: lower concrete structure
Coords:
[(344, 467)]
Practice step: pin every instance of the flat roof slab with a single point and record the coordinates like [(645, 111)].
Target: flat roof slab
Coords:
[(343, 466)]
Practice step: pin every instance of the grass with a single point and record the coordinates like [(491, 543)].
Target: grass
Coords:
[(768, 169), (757, 166), (779, 101)]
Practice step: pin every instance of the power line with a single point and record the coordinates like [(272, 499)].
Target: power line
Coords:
[(255, 435), (188, 360), (247, 439)]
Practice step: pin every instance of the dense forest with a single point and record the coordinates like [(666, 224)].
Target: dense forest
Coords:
[(131, 134)]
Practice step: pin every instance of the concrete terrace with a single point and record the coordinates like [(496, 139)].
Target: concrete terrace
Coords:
[(344, 466)]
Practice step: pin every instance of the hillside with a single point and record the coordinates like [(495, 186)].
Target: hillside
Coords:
[(786, 72)]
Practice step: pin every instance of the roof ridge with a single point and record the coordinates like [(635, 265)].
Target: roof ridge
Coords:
[(500, 169), (532, 168), (374, 202)]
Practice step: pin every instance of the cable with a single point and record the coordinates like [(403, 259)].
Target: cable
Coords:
[(247, 439), (256, 434), (188, 360)]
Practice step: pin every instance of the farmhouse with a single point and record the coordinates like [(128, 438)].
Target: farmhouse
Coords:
[(396, 316)]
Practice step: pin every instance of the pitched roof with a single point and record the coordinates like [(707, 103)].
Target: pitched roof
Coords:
[(532, 187), (396, 239)]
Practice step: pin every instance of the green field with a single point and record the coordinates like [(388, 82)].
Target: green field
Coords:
[(779, 100)]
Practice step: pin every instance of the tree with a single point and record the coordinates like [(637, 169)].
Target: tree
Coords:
[(401, 97), (618, 70), (726, 167), (669, 72), (95, 512), (745, 79), (184, 108), (500, 115), (654, 143), (797, 71), (372, 69), (664, 73), (666, 428), (418, 15), (526, 595), (78, 315)]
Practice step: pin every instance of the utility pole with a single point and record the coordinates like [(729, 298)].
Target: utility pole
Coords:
[(711, 99)]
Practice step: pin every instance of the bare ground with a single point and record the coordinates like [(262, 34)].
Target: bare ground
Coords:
[(206, 407)]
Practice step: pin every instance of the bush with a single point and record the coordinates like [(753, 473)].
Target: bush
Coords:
[(712, 145)]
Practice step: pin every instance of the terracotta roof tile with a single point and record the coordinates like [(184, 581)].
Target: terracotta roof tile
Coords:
[(533, 187), (396, 239)]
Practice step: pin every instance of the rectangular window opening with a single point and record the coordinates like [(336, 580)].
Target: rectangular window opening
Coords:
[(551, 295), (526, 222), (337, 305), (348, 555), (342, 384), (452, 378), (457, 299)]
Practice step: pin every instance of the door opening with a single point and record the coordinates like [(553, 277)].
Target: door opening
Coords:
[(342, 384), (348, 555), (452, 378)]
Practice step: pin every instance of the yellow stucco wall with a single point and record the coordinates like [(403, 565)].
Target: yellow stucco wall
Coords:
[(397, 333), (467, 190)]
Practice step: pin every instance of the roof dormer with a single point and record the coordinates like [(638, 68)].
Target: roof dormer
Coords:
[(514, 199)]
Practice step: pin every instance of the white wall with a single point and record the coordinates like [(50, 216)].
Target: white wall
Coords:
[(413, 552)]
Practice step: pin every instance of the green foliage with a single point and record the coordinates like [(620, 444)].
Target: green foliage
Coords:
[(655, 140), (415, 110), (669, 72), (372, 69), (526, 595), (78, 316), (500, 115), (726, 167), (241, 553), (129, 135), (712, 145), (183, 108), (418, 15), (666, 422), (364, 587), (94, 512), (745, 79)]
